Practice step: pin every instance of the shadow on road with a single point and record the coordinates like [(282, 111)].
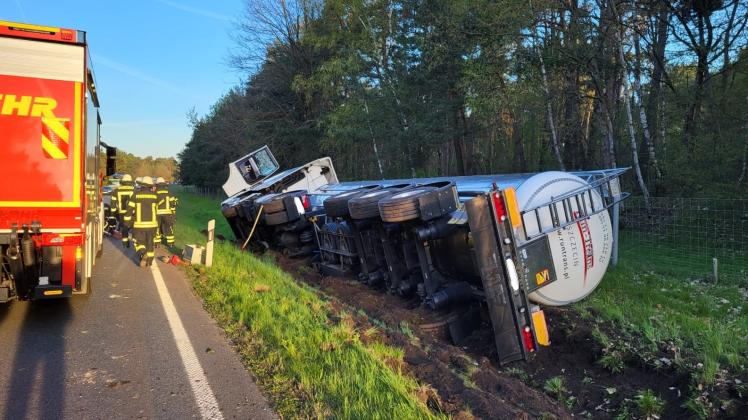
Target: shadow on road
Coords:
[(4, 311), (116, 246), (37, 384)]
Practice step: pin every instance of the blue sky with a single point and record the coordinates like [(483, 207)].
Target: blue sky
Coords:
[(153, 59)]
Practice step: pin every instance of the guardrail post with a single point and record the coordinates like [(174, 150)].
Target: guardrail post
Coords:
[(209, 245)]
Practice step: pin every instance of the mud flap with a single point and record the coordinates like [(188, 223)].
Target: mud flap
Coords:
[(508, 308)]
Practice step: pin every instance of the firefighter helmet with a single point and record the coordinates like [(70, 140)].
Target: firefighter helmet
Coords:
[(126, 178), (160, 180), (147, 181), (139, 179)]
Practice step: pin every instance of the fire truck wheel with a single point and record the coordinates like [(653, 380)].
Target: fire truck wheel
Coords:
[(366, 206), (405, 206), (337, 206), (277, 218)]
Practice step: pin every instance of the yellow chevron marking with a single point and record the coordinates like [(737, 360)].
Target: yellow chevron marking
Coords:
[(51, 149), (57, 126)]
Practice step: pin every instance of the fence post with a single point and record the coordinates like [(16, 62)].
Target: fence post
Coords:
[(715, 269), (209, 245)]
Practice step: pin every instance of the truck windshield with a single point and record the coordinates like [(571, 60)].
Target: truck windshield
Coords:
[(265, 163)]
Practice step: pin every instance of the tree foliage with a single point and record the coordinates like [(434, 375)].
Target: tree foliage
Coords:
[(424, 87), (144, 166)]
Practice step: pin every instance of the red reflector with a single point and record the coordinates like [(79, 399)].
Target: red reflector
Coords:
[(527, 338), (306, 202), (498, 204)]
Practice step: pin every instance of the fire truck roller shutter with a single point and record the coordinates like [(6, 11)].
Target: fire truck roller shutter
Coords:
[(580, 251)]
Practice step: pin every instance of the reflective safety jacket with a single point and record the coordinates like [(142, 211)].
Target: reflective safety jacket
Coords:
[(165, 201), (121, 196), (141, 210)]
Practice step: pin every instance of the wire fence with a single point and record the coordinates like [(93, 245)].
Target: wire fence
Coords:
[(695, 238), (210, 192)]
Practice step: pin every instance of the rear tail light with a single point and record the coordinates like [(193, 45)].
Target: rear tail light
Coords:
[(528, 339), (306, 202), (498, 205), (78, 253)]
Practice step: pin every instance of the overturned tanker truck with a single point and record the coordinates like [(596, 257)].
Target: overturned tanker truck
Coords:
[(485, 248)]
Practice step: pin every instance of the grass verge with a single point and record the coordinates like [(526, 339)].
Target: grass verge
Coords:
[(310, 361), (702, 326)]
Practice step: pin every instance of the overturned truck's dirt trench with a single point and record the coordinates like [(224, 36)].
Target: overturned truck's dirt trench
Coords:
[(466, 381)]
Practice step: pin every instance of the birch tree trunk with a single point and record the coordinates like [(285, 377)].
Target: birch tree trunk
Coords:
[(627, 105), (373, 139), (648, 142), (549, 108)]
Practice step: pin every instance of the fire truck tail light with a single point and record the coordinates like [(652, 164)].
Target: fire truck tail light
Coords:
[(528, 340), (78, 253)]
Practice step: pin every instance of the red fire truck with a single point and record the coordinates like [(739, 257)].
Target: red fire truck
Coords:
[(50, 202)]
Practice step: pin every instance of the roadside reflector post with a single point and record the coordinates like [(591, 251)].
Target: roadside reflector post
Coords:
[(209, 245)]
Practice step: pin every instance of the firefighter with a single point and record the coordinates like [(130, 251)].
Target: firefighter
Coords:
[(165, 213), (120, 197), (141, 211)]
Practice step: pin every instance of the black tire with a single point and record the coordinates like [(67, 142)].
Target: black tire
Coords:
[(278, 202), (366, 206), (265, 200), (337, 205), (277, 218), (406, 205), (275, 204)]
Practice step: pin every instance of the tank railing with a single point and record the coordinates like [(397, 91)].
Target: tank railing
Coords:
[(607, 185), (334, 238)]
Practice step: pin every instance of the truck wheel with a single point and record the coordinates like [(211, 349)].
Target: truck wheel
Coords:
[(269, 204), (337, 206), (277, 202), (406, 205), (277, 218), (366, 206)]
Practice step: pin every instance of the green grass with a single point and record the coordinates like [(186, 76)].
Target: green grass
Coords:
[(312, 365), (699, 324)]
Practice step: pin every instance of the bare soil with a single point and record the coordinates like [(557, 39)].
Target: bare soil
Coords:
[(466, 381)]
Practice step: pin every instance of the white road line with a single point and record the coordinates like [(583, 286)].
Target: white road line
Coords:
[(204, 396)]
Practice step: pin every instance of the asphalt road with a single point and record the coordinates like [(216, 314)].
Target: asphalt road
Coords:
[(113, 354)]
